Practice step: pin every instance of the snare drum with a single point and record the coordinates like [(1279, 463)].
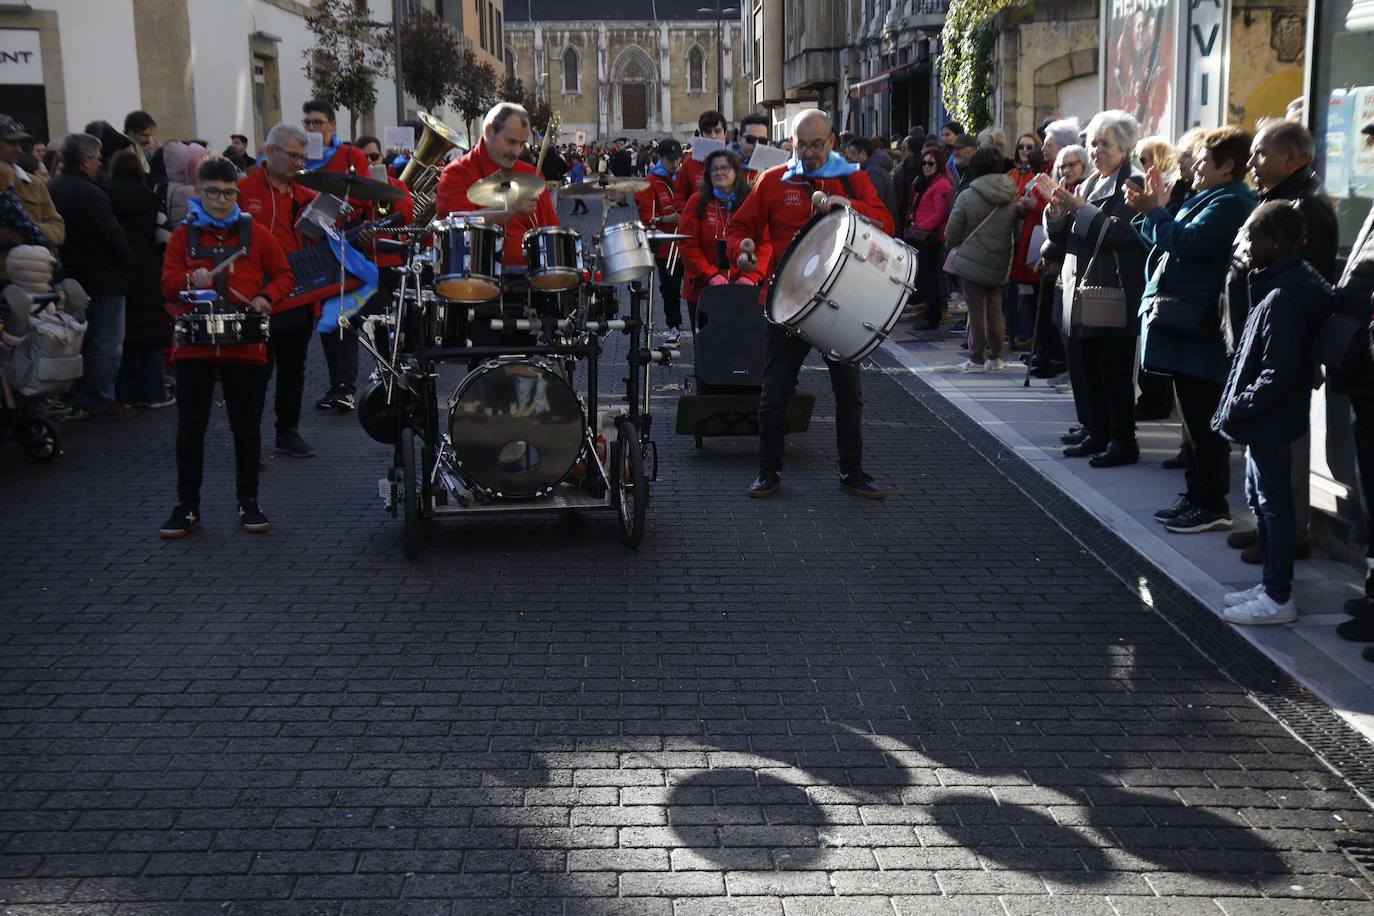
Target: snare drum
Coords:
[(625, 253), (208, 325), (469, 259), (841, 285), (553, 257)]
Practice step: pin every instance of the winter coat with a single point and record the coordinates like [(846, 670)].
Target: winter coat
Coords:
[(1268, 391), (96, 253), (181, 160), (1031, 207), (1120, 262), (146, 323), (705, 244), (984, 253), (929, 213), (1190, 255)]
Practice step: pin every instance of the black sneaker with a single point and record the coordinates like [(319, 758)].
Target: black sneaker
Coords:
[(1180, 506), (861, 485), (252, 519), (327, 402), (1197, 520), (1359, 607), (291, 442), (766, 484), (345, 401), (183, 519)]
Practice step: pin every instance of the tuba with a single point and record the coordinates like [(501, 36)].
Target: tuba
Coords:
[(421, 174)]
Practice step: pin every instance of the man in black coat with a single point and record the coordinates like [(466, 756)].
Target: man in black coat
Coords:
[(97, 255)]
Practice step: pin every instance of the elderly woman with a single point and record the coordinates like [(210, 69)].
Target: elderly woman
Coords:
[(1059, 135), (1070, 166), (1101, 250), (1156, 401), (1190, 255)]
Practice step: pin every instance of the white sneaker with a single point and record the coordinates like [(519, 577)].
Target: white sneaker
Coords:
[(672, 337), (1262, 611), (967, 365), (996, 365), (1235, 599)]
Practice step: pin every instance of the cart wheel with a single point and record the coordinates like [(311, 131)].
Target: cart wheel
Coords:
[(40, 438), (629, 483), (410, 496)]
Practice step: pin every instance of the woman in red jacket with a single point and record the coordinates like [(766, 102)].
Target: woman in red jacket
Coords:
[(704, 221), (257, 279), (932, 197), (1023, 286)]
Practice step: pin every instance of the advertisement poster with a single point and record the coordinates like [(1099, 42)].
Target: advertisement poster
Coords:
[(1361, 156), (1141, 46), (1339, 118)]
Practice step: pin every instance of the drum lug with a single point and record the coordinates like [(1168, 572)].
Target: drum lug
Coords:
[(831, 302)]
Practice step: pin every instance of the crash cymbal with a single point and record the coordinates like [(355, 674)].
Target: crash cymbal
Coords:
[(505, 187), (604, 186), (344, 185), (667, 236)]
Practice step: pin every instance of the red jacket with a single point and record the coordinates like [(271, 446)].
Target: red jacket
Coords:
[(261, 272), (347, 154), (404, 210), (277, 210), (699, 252), (654, 201), (1021, 272), (776, 210), (687, 181), (452, 196), (931, 212)]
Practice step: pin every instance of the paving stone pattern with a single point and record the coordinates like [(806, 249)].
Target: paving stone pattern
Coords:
[(938, 704)]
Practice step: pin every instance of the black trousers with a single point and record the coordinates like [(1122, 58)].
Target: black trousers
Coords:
[(286, 355), (245, 387), (1104, 386), (1156, 393), (784, 355), (930, 256), (341, 355), (1049, 345), (1362, 404), (1208, 473), (670, 288)]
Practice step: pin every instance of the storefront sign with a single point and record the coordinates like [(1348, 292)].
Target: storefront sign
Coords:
[(1208, 44), (21, 62)]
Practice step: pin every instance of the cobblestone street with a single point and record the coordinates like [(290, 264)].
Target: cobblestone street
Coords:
[(813, 704)]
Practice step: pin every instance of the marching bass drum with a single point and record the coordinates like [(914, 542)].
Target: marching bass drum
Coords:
[(517, 428), (841, 285)]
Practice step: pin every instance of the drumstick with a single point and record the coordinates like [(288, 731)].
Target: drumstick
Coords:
[(229, 260)]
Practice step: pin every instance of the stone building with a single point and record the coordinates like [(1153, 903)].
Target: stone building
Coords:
[(638, 69), (892, 85)]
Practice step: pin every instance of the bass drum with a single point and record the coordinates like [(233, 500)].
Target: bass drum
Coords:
[(517, 428), (841, 285), (377, 412)]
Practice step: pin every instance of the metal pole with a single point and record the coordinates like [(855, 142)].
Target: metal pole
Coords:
[(396, 49), (720, 58)]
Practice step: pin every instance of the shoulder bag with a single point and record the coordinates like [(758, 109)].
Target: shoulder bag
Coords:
[(1191, 319), (953, 255)]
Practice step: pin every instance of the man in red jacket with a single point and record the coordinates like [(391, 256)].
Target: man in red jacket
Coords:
[(711, 125), (257, 279), (775, 211), (659, 210), (275, 201)]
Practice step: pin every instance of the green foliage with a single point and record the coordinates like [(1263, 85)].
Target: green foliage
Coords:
[(347, 57), (965, 65), (476, 90), (431, 58)]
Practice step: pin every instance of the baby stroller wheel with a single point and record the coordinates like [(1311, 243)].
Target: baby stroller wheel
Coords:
[(39, 437)]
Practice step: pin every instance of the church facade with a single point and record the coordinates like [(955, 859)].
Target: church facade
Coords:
[(642, 69)]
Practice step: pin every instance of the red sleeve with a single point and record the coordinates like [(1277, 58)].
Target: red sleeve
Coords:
[(174, 269), (545, 212), (406, 205), (644, 202), (686, 183), (932, 214), (751, 222), (694, 260), (277, 276), (760, 273), (867, 202), (452, 193)]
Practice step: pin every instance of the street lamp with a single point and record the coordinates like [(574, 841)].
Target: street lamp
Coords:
[(719, 13)]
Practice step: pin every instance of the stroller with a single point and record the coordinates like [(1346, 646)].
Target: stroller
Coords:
[(41, 330)]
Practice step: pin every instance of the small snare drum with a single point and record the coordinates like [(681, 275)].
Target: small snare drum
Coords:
[(469, 259), (210, 324), (553, 258)]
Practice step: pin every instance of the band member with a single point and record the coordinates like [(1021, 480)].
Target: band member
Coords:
[(215, 230), (711, 125), (658, 209), (341, 349), (704, 258), (274, 201), (777, 208), (753, 133), (505, 131)]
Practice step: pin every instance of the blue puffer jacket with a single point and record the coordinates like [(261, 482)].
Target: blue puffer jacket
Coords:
[(1190, 255), (1268, 392)]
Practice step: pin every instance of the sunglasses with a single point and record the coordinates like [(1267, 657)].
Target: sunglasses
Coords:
[(1025, 146), (375, 157), (929, 162), (750, 139)]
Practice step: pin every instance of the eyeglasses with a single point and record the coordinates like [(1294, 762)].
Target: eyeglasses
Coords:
[(308, 123), (807, 145), (219, 193), (293, 157), (722, 169)]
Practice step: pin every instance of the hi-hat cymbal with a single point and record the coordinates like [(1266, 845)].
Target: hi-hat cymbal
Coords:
[(344, 185), (667, 236), (505, 188), (604, 186)]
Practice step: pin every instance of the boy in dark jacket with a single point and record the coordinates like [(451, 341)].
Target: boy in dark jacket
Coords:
[(1266, 399)]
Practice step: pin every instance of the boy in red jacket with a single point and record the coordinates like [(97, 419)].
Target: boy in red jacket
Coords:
[(214, 231), (658, 210)]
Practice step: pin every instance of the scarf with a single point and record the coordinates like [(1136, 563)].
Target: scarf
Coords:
[(660, 170), (727, 199), (835, 166), (329, 151), (196, 216)]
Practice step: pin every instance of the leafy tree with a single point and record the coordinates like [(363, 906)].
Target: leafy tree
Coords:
[(431, 58), (347, 57), (965, 64), (476, 91)]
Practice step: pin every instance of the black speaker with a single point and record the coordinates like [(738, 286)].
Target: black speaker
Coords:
[(728, 346)]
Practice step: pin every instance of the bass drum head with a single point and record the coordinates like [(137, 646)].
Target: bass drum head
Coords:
[(377, 414), (806, 264), (517, 428)]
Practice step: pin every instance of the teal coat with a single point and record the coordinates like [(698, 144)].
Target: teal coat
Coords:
[(1190, 255)]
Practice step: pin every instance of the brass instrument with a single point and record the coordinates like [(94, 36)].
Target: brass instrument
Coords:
[(421, 174)]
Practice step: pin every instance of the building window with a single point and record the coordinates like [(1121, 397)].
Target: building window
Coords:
[(500, 33), (571, 83), (510, 62), (481, 25), (696, 70)]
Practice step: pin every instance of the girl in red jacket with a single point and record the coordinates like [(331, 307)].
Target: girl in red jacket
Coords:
[(259, 278), (704, 220)]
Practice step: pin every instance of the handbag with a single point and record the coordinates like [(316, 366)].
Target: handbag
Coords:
[(954, 252), (1099, 311), (1189, 318)]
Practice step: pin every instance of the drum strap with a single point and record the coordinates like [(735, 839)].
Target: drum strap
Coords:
[(218, 254)]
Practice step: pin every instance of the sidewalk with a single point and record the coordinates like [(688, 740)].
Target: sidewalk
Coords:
[(1030, 420)]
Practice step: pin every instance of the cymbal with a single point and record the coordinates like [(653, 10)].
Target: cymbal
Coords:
[(604, 186), (342, 184), (667, 236), (503, 187)]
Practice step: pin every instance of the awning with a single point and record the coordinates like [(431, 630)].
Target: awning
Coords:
[(876, 83)]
